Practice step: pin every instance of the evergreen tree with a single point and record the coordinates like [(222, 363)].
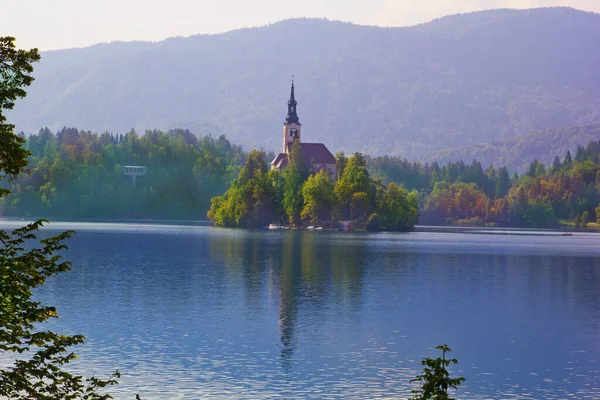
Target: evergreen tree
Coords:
[(556, 164), (568, 160), (502, 184), (340, 162)]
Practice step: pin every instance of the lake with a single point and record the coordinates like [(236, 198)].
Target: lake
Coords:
[(187, 311)]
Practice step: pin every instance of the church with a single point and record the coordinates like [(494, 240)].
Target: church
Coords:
[(315, 154)]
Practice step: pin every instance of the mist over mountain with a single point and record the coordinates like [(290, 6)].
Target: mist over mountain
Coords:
[(517, 153), (454, 82)]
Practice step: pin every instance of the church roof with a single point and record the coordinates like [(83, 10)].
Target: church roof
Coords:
[(313, 153), (317, 152), (281, 161)]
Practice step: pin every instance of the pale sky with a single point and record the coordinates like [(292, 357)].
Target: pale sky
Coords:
[(56, 24)]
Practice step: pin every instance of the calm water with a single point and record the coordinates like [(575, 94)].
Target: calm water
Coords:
[(199, 312)]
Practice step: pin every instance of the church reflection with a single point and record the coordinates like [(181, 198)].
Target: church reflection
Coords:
[(315, 273), (308, 274)]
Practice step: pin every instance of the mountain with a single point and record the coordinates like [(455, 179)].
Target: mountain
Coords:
[(453, 82), (518, 153)]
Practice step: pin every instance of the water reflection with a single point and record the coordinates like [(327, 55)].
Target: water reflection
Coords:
[(302, 269), (218, 313)]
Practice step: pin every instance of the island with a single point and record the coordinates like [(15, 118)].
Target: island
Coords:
[(306, 185)]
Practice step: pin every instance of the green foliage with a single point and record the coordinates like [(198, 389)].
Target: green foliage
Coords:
[(23, 268), (340, 162), (355, 179), (502, 184), (397, 209), (294, 176), (465, 193), (585, 218), (37, 372), (319, 200), (252, 198), (374, 223), (435, 380), (299, 197), (75, 174), (15, 75)]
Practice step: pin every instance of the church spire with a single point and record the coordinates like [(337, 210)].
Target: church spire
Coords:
[(292, 94), (292, 116)]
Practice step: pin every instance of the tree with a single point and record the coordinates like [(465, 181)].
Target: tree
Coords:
[(597, 210), (556, 165), (340, 162), (39, 376), (294, 176), (585, 218), (251, 199), (15, 74), (502, 184), (568, 160), (435, 379), (355, 179), (318, 196), (24, 267), (398, 210)]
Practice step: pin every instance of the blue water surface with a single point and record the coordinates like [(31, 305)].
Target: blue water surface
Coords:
[(201, 312)]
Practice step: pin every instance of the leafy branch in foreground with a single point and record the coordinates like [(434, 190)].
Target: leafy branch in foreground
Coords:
[(39, 375), (435, 379)]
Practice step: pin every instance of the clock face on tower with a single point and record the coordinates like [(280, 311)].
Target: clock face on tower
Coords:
[(294, 132)]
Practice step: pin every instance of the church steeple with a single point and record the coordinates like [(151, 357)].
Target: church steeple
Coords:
[(292, 115)]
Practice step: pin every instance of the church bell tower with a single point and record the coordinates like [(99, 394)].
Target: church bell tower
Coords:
[(291, 126)]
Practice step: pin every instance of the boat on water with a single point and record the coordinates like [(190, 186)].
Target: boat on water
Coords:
[(319, 228), (310, 227), (274, 226)]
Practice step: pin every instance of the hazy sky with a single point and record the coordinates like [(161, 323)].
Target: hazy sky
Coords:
[(53, 24)]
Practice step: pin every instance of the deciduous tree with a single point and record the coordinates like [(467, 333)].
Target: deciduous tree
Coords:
[(38, 371)]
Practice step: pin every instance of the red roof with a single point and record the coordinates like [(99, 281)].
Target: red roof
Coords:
[(317, 153), (281, 161), (314, 153)]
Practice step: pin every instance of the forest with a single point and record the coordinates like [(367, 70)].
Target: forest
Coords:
[(566, 192), (260, 196), (79, 174)]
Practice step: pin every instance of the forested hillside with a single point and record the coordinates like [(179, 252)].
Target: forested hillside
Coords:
[(76, 174), (516, 153), (80, 174), (450, 83)]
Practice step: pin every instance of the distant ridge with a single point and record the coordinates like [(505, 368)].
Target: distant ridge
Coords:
[(518, 153), (457, 81)]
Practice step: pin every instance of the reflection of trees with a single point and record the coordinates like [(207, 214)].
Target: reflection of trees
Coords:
[(287, 298), (314, 267), (348, 263), (308, 269)]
